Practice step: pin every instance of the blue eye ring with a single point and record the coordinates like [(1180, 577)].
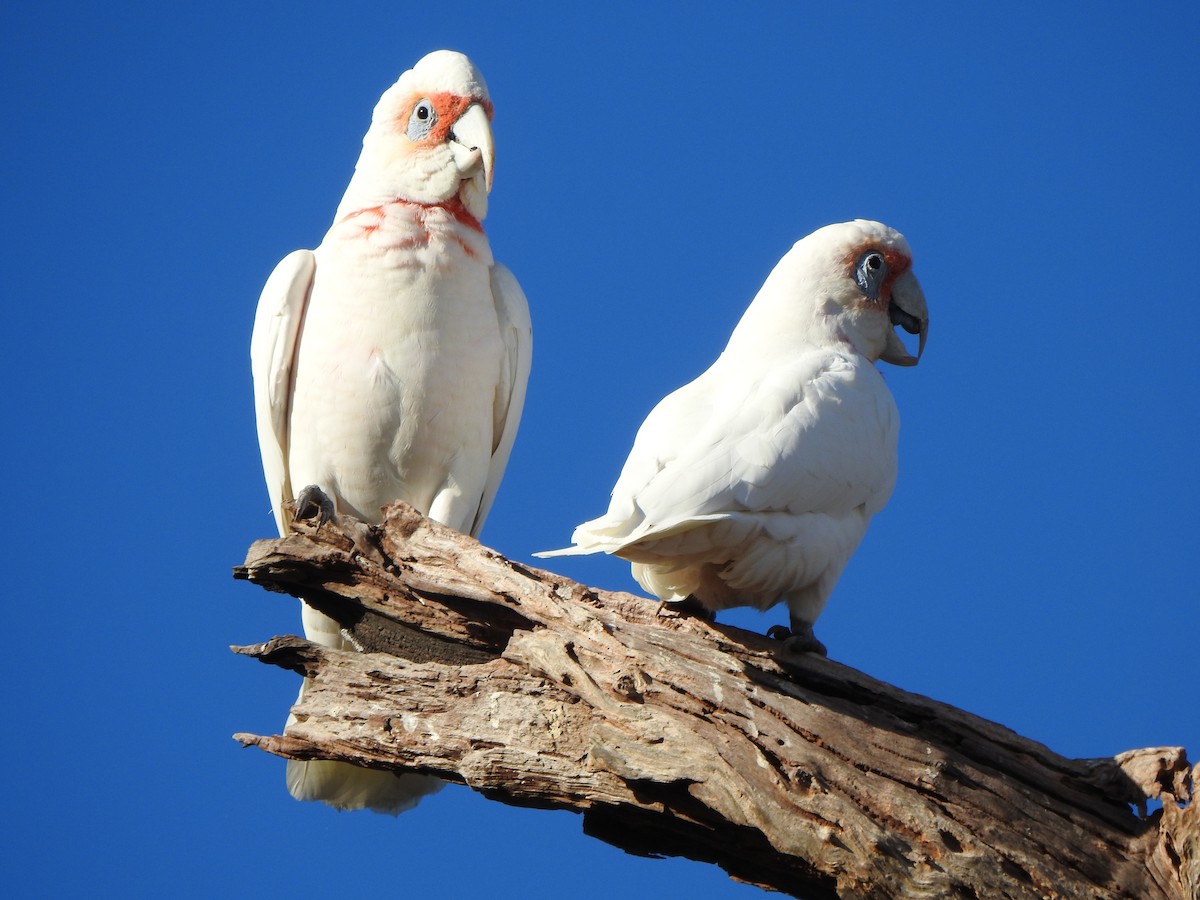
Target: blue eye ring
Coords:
[(422, 120), (870, 273)]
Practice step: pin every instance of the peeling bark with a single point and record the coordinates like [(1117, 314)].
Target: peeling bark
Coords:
[(674, 736)]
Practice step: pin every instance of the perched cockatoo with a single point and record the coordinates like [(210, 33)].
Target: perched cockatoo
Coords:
[(755, 482), (391, 362)]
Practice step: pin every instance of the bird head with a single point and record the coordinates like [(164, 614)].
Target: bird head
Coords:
[(866, 288), (430, 139)]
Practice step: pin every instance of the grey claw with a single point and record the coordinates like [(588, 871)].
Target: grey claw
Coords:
[(312, 502), (803, 643), (690, 606), (796, 640)]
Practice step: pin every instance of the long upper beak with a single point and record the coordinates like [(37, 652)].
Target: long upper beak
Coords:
[(471, 141), (906, 309)]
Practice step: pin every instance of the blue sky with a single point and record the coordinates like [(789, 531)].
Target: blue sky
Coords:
[(1036, 564)]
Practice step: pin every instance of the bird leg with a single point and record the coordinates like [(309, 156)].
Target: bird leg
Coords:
[(797, 639), (314, 503)]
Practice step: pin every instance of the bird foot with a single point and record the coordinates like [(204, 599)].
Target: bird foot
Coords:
[(314, 503), (688, 606), (796, 640)]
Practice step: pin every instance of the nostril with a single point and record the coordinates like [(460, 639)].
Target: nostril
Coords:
[(454, 137)]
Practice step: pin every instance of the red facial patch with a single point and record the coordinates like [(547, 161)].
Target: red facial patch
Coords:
[(898, 263), (449, 107)]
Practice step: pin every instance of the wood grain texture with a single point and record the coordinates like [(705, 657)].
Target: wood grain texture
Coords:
[(674, 736)]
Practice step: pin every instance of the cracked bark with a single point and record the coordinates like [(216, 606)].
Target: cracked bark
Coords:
[(673, 736)]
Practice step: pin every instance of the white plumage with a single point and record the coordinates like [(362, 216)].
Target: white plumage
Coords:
[(756, 482), (391, 362)]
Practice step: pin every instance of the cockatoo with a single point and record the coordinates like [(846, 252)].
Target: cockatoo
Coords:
[(391, 362), (755, 482)]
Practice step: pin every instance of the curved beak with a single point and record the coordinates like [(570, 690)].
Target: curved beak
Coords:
[(906, 309), (471, 142)]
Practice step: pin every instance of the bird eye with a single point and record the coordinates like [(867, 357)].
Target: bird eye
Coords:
[(870, 273), (421, 121)]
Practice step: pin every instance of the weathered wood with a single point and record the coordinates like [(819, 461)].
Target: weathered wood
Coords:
[(675, 736)]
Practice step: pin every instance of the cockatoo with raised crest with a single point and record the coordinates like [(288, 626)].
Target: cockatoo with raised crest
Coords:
[(755, 483), (391, 362)]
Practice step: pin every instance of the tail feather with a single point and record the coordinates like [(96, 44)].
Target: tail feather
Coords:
[(603, 535), (342, 785), (575, 550), (618, 539)]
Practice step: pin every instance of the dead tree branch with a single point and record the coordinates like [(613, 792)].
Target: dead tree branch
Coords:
[(673, 736)]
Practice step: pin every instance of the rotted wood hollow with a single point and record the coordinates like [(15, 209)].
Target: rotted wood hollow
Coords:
[(673, 736)]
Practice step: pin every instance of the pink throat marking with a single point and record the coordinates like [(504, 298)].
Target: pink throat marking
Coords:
[(454, 206)]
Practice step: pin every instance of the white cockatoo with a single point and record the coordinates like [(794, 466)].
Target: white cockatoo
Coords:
[(755, 482), (391, 362)]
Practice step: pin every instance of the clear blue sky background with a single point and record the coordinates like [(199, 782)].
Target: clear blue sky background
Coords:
[(1037, 564)]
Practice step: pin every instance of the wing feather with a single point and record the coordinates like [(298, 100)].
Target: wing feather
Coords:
[(724, 445), (277, 324), (516, 329)]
